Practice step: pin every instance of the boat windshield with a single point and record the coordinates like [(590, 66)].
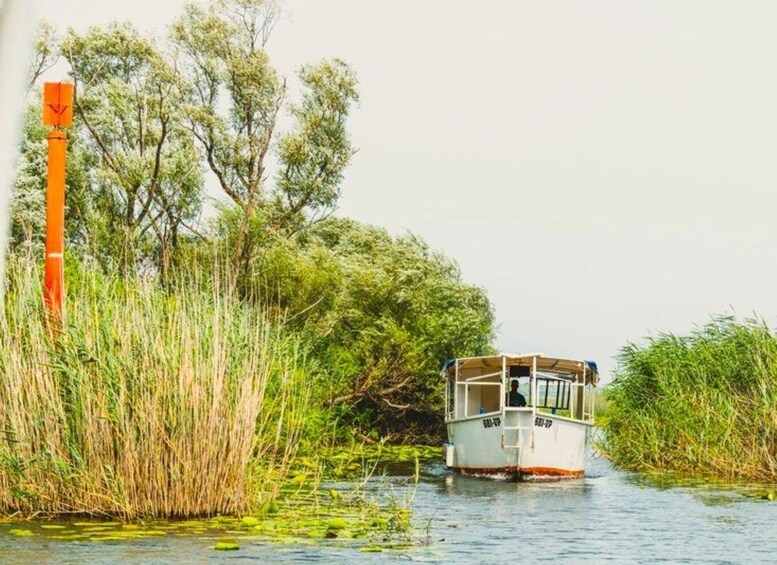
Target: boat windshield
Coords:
[(478, 386)]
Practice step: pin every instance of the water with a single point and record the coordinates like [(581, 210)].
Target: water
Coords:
[(607, 516)]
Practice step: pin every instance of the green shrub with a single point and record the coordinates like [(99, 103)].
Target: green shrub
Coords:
[(384, 313)]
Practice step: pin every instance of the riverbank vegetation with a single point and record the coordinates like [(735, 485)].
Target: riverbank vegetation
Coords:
[(208, 343), (147, 403), (701, 404)]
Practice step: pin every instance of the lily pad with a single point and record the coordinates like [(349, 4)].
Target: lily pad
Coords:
[(249, 521), (337, 524)]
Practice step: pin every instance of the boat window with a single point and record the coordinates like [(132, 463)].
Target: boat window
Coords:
[(517, 371), (475, 393), (483, 389), (553, 393)]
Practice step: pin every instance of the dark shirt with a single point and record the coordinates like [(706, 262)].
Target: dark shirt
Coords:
[(516, 399)]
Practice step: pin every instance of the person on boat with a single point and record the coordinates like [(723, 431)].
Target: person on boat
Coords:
[(515, 398)]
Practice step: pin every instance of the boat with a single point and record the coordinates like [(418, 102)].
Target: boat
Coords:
[(542, 432)]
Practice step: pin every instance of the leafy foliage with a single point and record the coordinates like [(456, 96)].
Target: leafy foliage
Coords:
[(235, 99), (314, 155), (148, 183)]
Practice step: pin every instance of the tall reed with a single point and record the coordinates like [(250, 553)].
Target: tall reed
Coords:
[(705, 403), (148, 402)]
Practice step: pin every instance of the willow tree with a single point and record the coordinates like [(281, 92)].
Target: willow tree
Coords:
[(147, 186), (45, 53), (235, 101)]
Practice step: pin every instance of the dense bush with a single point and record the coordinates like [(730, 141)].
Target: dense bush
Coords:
[(384, 312)]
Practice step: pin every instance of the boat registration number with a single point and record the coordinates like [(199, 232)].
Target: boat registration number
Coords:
[(492, 422), (543, 422)]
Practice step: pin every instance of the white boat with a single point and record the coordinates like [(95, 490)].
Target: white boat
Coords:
[(547, 437)]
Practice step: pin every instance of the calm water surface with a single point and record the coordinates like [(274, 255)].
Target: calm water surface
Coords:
[(607, 516)]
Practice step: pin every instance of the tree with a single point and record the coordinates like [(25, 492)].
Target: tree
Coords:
[(314, 155), (45, 54), (235, 100), (28, 210), (147, 187)]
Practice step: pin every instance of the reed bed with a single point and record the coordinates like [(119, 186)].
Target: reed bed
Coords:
[(147, 402), (701, 404)]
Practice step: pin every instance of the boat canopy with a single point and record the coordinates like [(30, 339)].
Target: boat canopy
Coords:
[(553, 364)]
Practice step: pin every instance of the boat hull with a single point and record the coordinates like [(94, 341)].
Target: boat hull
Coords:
[(543, 446)]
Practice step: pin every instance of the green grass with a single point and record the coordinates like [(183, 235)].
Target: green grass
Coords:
[(148, 402), (701, 404)]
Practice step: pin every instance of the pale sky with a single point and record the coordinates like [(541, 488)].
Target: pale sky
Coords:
[(604, 169)]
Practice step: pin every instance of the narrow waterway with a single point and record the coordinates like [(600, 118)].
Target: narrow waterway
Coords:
[(607, 516)]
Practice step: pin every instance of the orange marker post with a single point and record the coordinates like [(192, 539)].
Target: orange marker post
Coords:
[(57, 112)]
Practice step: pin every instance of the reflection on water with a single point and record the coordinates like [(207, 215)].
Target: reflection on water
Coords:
[(607, 516)]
